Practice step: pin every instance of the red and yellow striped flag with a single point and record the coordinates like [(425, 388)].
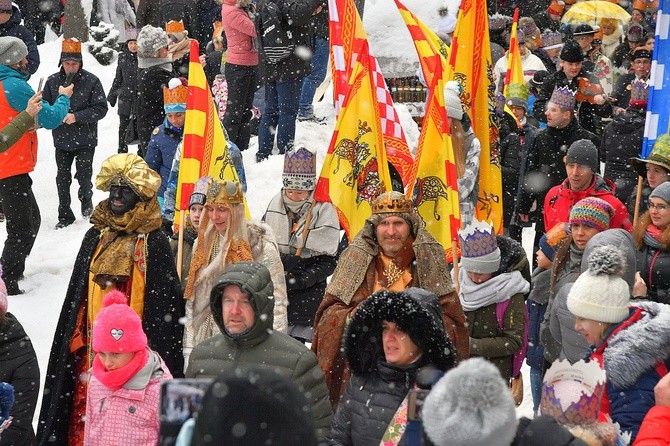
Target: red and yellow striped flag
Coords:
[(434, 183), (470, 64), (204, 149), (347, 39), (515, 84), (355, 170)]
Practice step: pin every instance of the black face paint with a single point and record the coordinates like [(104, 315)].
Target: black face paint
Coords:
[(122, 199)]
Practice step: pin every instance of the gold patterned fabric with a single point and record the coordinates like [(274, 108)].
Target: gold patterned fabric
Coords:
[(118, 236)]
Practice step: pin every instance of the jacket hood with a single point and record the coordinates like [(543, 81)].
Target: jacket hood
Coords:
[(639, 347), (620, 239), (512, 257), (8, 72), (417, 312), (11, 333), (252, 278), (628, 122)]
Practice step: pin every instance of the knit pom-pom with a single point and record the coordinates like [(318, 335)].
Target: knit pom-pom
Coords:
[(174, 83), (114, 297), (606, 260)]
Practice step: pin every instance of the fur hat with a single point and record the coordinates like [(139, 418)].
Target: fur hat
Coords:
[(659, 156), (128, 169), (470, 405), (592, 212), (600, 293), (538, 78), (12, 50), (150, 40), (479, 249), (175, 95), (446, 24), (299, 170), (117, 328), (563, 97), (550, 241), (635, 33), (452, 100), (572, 52), (662, 191), (583, 152)]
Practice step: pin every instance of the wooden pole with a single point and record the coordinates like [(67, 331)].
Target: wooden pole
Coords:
[(454, 257), (638, 198)]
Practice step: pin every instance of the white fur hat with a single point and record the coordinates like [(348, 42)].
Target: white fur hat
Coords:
[(599, 293), (151, 40), (471, 405)]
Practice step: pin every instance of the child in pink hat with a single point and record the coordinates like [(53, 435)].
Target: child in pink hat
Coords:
[(124, 389)]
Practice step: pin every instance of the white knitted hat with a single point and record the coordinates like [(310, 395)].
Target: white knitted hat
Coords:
[(452, 100), (471, 405), (599, 293), (150, 40)]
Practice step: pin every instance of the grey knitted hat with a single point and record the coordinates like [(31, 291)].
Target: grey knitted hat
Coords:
[(150, 40), (583, 152), (662, 191), (12, 50), (471, 405)]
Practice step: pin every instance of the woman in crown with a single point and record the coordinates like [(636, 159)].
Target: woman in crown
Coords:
[(226, 236)]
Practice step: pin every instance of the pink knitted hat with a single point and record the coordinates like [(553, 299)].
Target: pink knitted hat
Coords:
[(118, 329)]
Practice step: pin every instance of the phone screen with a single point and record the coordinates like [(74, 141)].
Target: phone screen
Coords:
[(180, 399)]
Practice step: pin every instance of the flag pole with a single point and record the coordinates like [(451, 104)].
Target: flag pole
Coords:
[(454, 247), (180, 243)]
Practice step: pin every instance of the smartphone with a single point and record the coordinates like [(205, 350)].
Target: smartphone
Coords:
[(40, 85), (180, 399)]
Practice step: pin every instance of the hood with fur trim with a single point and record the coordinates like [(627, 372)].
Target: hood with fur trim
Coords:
[(633, 351), (416, 312)]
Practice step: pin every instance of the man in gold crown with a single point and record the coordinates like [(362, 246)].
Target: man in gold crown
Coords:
[(393, 251), (226, 237), (76, 139), (127, 251)]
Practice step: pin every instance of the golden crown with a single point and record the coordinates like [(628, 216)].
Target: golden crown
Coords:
[(392, 202), (71, 45), (173, 26), (225, 192)]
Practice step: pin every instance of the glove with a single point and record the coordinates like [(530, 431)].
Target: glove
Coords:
[(290, 262)]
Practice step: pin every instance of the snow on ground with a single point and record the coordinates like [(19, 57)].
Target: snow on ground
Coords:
[(49, 267)]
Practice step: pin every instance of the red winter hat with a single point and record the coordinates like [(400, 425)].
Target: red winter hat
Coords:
[(556, 7), (118, 329)]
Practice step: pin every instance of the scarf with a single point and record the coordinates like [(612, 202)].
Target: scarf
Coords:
[(652, 237), (118, 236), (115, 379), (288, 220), (474, 296), (161, 62), (179, 49)]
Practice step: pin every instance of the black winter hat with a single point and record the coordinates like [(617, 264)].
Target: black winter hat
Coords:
[(583, 29), (572, 52), (252, 405), (583, 152)]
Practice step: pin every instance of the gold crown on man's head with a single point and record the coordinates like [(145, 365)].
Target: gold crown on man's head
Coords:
[(225, 192), (392, 202)]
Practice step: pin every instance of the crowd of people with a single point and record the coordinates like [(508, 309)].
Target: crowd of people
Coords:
[(307, 337)]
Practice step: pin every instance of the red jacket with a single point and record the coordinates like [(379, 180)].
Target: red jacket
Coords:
[(560, 199), (22, 156), (655, 429)]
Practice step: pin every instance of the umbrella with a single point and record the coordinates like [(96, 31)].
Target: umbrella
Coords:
[(593, 10)]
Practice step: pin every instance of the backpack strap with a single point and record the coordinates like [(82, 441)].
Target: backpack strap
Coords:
[(501, 308)]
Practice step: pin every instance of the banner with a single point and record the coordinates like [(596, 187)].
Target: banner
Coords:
[(347, 40), (470, 64), (658, 112), (434, 183), (355, 170), (204, 149)]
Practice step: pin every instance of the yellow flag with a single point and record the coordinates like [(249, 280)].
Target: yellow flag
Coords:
[(355, 170), (434, 183), (470, 64), (515, 84)]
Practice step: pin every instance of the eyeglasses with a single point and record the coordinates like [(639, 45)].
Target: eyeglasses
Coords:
[(642, 62), (659, 207)]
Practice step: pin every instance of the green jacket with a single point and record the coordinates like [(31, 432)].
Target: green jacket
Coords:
[(15, 129), (261, 345)]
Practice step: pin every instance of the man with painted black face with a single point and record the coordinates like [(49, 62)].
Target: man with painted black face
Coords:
[(127, 251), (16, 194)]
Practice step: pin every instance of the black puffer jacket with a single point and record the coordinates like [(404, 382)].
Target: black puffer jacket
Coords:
[(124, 87), (88, 104), (150, 111), (621, 141), (19, 367), (545, 167), (653, 261), (299, 14), (377, 388), (510, 164), (180, 10)]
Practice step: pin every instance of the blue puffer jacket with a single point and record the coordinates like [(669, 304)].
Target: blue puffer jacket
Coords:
[(161, 149), (13, 28)]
